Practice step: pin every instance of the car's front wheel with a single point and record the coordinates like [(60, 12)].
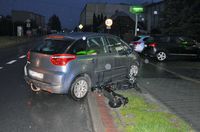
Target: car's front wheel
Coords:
[(161, 56), (80, 88), (133, 72)]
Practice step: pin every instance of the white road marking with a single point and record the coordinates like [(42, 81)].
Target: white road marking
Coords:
[(11, 62), (23, 56), (1, 68)]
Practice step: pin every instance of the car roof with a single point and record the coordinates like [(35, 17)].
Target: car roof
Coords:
[(75, 35), (143, 36)]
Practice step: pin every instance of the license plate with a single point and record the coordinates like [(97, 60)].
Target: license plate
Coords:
[(36, 74)]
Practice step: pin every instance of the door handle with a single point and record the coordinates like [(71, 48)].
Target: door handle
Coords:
[(93, 60)]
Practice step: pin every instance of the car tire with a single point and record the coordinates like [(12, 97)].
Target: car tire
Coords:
[(161, 56), (80, 88), (133, 72)]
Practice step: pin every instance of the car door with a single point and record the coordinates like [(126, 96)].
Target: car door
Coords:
[(188, 47), (122, 62), (104, 62), (173, 47)]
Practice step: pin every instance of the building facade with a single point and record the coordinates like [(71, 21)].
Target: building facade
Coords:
[(148, 21), (86, 17), (153, 15), (23, 16)]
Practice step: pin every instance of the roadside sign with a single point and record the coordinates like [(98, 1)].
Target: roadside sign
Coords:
[(28, 25), (108, 27), (28, 20), (136, 9), (109, 22), (80, 26)]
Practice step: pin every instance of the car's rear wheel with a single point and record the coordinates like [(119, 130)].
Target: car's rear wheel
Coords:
[(80, 88), (161, 56)]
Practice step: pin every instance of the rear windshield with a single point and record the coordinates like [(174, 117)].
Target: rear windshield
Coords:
[(136, 38), (53, 46)]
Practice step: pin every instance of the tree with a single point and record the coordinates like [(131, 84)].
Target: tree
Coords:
[(95, 24), (104, 19), (101, 18), (98, 20), (191, 19), (54, 23), (6, 25), (182, 16), (172, 16)]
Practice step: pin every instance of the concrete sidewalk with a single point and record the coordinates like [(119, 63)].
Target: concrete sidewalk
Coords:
[(102, 119)]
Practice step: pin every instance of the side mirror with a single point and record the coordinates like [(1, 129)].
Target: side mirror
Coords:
[(125, 52), (122, 52), (130, 50)]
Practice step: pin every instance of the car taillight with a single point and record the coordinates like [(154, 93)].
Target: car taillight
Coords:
[(136, 43), (62, 59), (153, 45), (28, 55)]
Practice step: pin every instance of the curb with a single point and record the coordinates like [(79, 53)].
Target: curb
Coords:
[(147, 95), (102, 120), (97, 123)]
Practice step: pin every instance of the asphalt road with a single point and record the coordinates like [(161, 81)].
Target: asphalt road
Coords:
[(21, 110), (175, 83)]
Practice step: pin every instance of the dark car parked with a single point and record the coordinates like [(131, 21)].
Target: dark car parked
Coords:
[(75, 62), (162, 47)]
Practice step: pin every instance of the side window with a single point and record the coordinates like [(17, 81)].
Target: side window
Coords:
[(186, 42), (178, 41), (116, 45), (164, 39), (145, 39), (96, 44), (79, 47), (173, 39)]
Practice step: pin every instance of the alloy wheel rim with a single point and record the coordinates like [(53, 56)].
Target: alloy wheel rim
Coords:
[(133, 70), (161, 56), (80, 88), (132, 73)]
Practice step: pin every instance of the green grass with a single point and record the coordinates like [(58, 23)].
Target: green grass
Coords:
[(7, 41), (140, 115)]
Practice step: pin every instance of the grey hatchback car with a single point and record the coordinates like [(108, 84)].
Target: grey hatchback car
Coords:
[(76, 62)]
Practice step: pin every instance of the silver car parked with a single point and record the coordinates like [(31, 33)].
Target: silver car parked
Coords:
[(74, 63)]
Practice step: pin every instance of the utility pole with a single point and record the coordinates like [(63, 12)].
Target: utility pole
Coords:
[(136, 24), (136, 10)]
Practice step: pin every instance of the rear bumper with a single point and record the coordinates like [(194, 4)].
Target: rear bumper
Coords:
[(45, 86), (150, 52)]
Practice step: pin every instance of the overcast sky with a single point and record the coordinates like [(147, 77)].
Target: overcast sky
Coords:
[(67, 10)]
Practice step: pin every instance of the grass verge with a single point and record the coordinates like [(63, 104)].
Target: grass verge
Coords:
[(141, 115), (7, 41)]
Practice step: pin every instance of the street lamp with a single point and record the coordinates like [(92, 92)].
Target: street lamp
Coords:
[(80, 26), (154, 17), (136, 10)]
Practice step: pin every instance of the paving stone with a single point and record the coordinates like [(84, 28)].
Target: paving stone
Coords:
[(181, 96)]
